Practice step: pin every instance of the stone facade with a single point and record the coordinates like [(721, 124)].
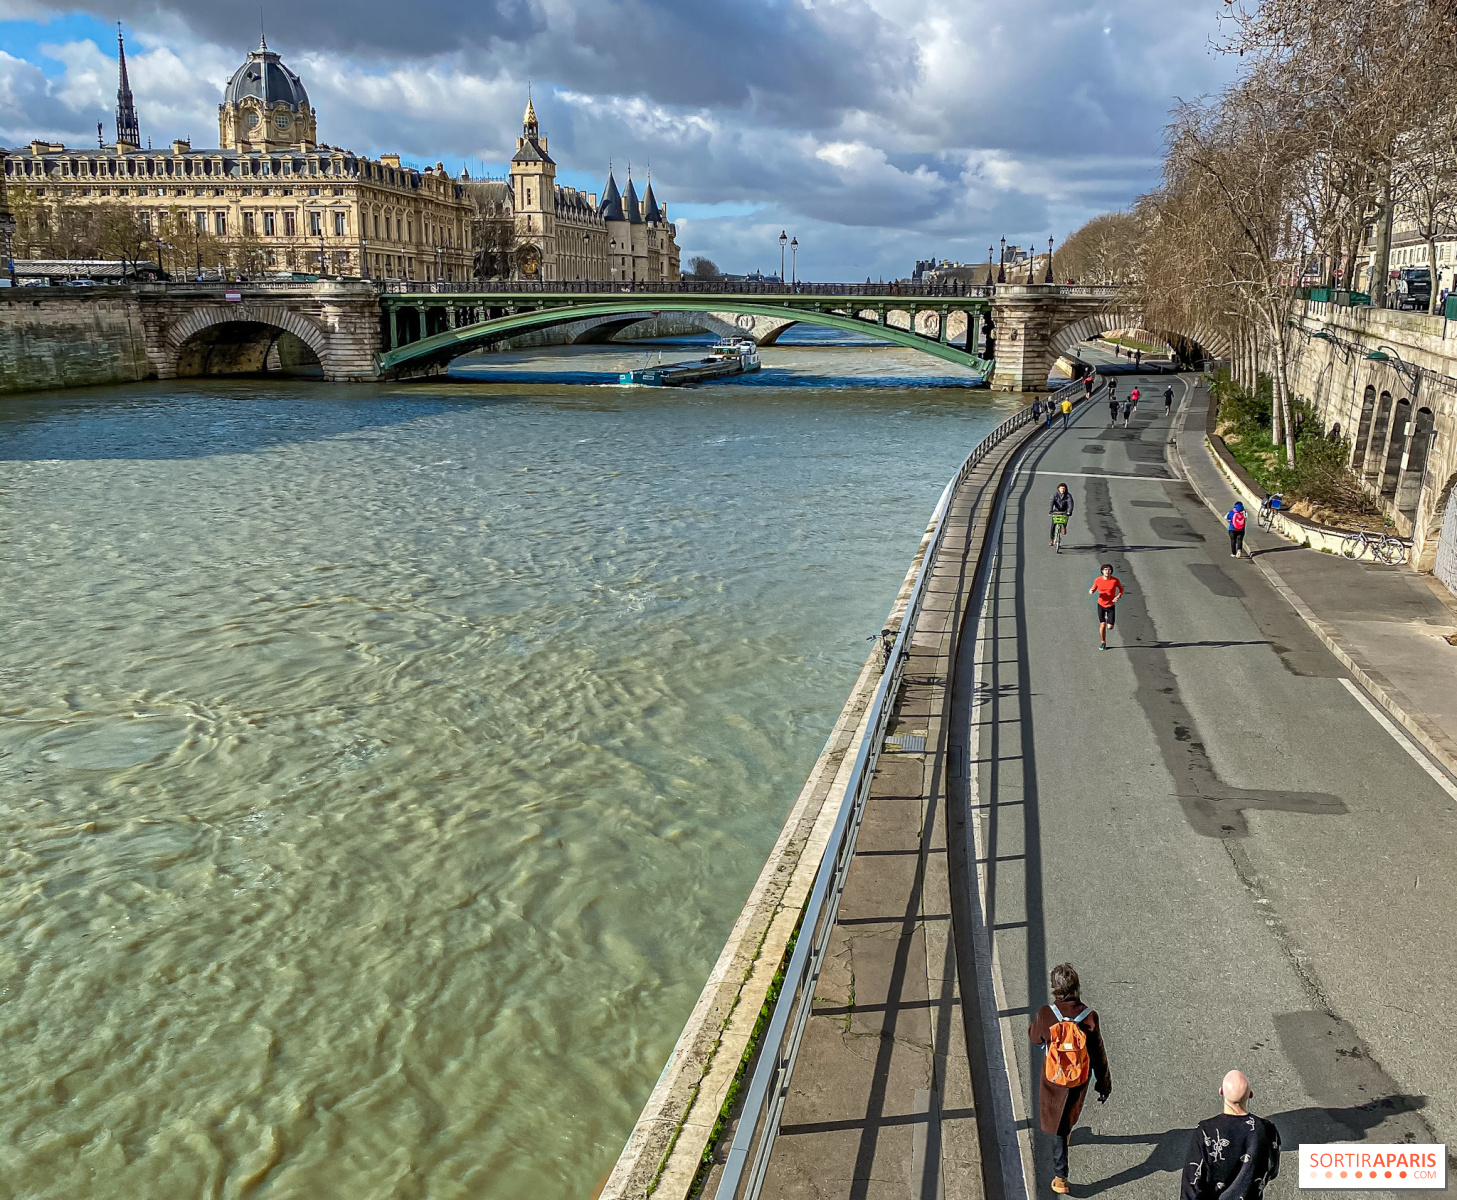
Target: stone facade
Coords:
[(270, 199), (1400, 414)]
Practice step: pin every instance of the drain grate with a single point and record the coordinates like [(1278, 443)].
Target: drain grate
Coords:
[(908, 743)]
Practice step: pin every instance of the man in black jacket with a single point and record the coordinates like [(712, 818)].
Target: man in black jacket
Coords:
[(1234, 1155), (1062, 509)]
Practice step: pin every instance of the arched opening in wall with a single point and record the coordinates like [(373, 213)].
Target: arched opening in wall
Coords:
[(1372, 469), (1414, 466), (247, 348), (1395, 447), (1363, 429)]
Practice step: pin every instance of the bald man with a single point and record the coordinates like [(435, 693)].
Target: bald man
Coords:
[(1234, 1155)]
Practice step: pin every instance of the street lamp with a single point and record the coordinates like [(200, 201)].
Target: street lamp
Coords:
[(1049, 278), (7, 227), (1385, 354), (794, 260), (161, 245), (586, 261), (323, 270), (1002, 263), (197, 243), (783, 241)]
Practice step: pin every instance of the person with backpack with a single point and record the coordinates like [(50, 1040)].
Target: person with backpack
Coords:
[(1234, 1155), (1234, 521), (1069, 1032), (1061, 510)]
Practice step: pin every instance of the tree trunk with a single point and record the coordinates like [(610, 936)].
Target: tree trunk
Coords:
[(1282, 428), (1432, 300), (1380, 262)]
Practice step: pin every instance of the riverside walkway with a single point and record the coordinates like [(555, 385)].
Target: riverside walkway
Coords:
[(1245, 859)]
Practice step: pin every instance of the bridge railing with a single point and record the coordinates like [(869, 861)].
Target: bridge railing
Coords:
[(758, 1126), (686, 287)]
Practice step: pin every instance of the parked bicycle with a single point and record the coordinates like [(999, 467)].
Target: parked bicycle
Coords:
[(886, 638), (1268, 508), (1382, 548)]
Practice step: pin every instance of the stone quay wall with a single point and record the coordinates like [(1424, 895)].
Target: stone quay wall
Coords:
[(1400, 413), (59, 337)]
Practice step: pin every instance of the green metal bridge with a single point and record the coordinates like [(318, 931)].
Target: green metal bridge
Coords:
[(431, 326)]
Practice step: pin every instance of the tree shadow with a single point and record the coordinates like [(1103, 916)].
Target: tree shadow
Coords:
[(1296, 1126)]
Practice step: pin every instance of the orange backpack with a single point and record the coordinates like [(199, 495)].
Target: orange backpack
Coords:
[(1067, 1063)]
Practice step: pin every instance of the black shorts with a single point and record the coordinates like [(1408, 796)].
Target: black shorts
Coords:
[(1105, 614)]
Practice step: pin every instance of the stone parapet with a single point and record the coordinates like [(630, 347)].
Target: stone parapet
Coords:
[(56, 337)]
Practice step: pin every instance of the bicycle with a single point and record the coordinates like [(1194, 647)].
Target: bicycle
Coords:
[(1059, 529), (886, 637), (1386, 549), (1268, 508)]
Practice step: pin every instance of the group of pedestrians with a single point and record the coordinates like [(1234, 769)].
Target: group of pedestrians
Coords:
[(1232, 1155), (1047, 409)]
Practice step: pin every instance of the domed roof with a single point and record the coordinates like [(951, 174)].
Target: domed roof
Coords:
[(264, 76)]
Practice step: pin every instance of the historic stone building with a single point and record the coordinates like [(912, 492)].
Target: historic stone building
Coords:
[(560, 233), (270, 198)]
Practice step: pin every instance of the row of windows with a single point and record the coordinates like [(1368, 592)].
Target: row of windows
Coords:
[(266, 223), (1417, 255)]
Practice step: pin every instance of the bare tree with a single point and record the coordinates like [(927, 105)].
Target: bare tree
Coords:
[(1102, 251), (703, 268)]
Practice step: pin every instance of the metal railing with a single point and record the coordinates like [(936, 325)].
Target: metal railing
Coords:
[(687, 287), (748, 1156)]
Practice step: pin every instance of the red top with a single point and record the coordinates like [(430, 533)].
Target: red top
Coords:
[(1108, 590)]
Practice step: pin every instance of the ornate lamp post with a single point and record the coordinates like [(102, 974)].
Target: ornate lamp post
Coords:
[(1049, 278), (794, 260), (586, 260), (783, 241), (1002, 264), (197, 245), (161, 245)]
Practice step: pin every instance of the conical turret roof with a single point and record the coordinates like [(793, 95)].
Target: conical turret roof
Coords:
[(630, 203), (652, 214), (611, 206)]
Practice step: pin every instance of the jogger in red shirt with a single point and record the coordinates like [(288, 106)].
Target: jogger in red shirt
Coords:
[(1107, 587)]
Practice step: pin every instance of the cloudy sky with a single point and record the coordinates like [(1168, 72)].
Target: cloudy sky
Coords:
[(875, 131)]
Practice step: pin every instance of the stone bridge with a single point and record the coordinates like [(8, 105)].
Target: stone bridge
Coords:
[(356, 331)]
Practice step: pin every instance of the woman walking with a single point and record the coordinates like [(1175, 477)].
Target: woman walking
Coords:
[(1068, 1030)]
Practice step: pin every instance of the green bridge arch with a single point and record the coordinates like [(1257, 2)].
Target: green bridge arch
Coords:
[(439, 348)]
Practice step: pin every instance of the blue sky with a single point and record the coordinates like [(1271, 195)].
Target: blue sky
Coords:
[(875, 131)]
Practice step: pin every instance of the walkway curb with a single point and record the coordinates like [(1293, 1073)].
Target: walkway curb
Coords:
[(1432, 739)]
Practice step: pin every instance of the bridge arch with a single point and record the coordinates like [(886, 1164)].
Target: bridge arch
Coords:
[(1095, 324), (440, 348), (237, 339)]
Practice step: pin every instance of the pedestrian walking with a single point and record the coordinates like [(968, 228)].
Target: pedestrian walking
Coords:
[(1075, 1056), (1067, 408), (1108, 588), (1234, 521), (1235, 1155), (1138, 358), (1168, 399), (1088, 386), (1047, 410), (1037, 410), (1133, 396), (1127, 411)]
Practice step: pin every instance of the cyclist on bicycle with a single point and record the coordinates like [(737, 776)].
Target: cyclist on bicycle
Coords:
[(1062, 509)]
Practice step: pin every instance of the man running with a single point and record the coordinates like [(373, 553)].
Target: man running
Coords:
[(1108, 588), (1088, 386), (1168, 399), (1062, 509), (1133, 399), (1112, 402), (1127, 411)]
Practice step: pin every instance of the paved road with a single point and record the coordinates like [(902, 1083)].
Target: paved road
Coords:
[(1245, 867)]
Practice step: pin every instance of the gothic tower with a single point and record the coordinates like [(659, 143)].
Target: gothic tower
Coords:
[(533, 199), (128, 131)]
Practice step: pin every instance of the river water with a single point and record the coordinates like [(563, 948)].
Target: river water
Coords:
[(384, 766)]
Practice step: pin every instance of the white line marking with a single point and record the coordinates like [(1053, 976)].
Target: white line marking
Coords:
[(1107, 475), (1391, 727)]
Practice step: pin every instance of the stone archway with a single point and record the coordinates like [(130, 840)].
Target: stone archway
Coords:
[(238, 338), (1185, 343)]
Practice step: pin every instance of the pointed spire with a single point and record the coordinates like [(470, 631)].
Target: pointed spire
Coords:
[(529, 126), (611, 207), (651, 212), (128, 130), (262, 33)]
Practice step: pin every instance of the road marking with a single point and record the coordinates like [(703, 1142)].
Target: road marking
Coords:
[(1106, 475), (1401, 740)]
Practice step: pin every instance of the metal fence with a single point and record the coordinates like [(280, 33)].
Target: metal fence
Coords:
[(748, 1156)]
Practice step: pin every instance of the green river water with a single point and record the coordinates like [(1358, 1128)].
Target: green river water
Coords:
[(384, 766)]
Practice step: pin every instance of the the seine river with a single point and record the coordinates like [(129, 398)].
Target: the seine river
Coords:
[(384, 766)]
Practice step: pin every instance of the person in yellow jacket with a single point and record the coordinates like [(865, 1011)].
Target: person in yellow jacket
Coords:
[(1067, 407)]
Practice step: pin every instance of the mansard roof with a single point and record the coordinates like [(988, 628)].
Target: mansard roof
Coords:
[(611, 209), (264, 77)]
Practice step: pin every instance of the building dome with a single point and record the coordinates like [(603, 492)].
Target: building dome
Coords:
[(264, 77)]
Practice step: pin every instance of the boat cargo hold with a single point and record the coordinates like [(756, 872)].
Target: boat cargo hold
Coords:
[(732, 356)]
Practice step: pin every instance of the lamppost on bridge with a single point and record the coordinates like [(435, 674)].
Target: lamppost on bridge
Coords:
[(586, 260), (197, 243), (783, 241), (161, 245), (1049, 278), (794, 260), (1002, 264), (991, 253)]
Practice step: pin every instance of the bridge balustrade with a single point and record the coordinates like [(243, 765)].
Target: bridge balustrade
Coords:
[(688, 287)]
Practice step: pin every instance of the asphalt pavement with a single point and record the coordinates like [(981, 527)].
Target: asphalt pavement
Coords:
[(1208, 819)]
